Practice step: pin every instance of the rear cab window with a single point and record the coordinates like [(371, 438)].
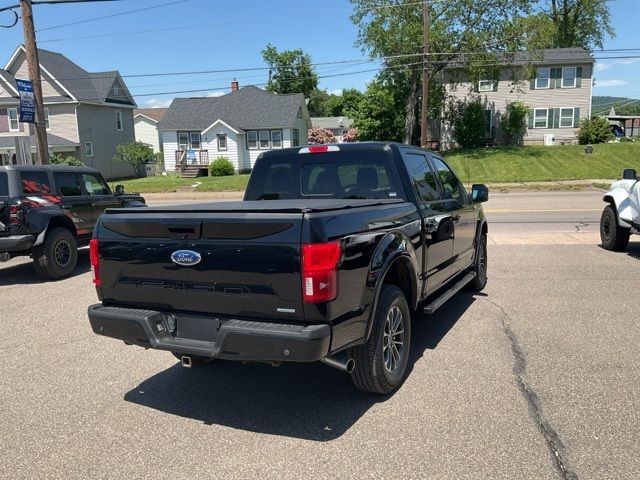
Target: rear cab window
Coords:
[(349, 174), (4, 184), (35, 183)]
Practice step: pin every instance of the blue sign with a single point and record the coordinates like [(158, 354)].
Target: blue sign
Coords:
[(27, 101)]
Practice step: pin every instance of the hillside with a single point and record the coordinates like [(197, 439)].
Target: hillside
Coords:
[(623, 105)]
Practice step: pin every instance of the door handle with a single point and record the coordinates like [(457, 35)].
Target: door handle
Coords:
[(103, 204)]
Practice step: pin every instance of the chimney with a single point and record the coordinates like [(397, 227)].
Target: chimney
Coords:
[(234, 85)]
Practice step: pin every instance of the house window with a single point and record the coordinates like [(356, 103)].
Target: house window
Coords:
[(195, 140), (264, 139), (299, 114), (116, 90), (88, 149), (295, 140), (183, 140), (222, 142), (566, 117), (276, 138), (118, 120), (46, 118), (542, 78), (540, 118), (485, 85), (252, 140), (569, 77), (13, 119)]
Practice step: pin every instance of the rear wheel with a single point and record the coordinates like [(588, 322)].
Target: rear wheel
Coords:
[(381, 363), (613, 236), (57, 256)]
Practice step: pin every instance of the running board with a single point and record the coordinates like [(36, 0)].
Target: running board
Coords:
[(459, 285)]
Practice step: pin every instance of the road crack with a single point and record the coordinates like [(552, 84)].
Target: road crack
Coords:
[(551, 437)]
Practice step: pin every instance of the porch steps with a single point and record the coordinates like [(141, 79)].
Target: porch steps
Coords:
[(191, 172)]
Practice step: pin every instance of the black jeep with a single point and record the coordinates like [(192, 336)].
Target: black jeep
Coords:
[(49, 211)]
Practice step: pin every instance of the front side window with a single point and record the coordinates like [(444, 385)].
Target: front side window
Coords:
[(542, 78), (222, 142), (295, 138), (183, 140), (422, 176), (88, 149), (451, 186), (118, 120), (95, 185), (569, 77), (13, 119), (46, 118), (252, 140), (276, 138), (35, 182), (67, 184), (195, 140), (4, 184), (264, 139), (566, 117), (540, 118), (485, 86)]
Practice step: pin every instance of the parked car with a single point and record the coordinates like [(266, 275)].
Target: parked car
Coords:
[(48, 212), (326, 258), (617, 131), (621, 217)]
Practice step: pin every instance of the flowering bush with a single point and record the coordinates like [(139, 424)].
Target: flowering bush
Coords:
[(350, 135), (319, 136)]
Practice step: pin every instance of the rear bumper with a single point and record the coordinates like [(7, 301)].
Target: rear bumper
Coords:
[(16, 243), (212, 337)]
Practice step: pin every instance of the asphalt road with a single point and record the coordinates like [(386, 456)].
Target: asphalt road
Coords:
[(535, 378)]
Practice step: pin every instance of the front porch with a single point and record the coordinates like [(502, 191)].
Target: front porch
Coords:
[(192, 163)]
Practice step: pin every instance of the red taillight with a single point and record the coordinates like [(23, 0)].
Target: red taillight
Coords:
[(94, 259), (14, 218), (319, 280)]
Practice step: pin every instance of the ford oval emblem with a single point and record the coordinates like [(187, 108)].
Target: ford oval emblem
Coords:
[(186, 258)]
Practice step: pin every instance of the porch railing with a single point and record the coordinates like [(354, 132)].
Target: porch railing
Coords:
[(187, 158)]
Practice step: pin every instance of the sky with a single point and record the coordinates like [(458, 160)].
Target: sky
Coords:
[(196, 35)]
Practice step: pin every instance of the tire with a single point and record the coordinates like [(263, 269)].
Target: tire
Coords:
[(613, 236), (57, 256), (377, 370), (479, 266)]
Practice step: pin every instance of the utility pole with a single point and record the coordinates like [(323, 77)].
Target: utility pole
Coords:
[(34, 75), (424, 127)]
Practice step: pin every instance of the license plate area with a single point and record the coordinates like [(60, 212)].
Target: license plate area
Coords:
[(197, 328)]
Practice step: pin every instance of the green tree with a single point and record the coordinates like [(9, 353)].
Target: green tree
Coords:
[(377, 116), (318, 103), (514, 121), (290, 71), (341, 105), (594, 130), (468, 122), (135, 154), (580, 23)]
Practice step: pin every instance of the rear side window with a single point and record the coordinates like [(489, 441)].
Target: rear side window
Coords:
[(422, 176), (336, 175), (4, 185), (67, 183), (35, 182)]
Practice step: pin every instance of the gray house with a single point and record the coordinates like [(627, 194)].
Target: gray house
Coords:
[(87, 113), (338, 125), (239, 125), (558, 94)]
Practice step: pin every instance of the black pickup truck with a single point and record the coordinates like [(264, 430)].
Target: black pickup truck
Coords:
[(332, 249), (49, 211)]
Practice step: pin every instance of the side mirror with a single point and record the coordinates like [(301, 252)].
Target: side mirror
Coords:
[(629, 174), (479, 193), (119, 189)]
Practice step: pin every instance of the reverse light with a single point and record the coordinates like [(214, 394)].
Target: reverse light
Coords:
[(319, 279), (319, 149), (94, 260)]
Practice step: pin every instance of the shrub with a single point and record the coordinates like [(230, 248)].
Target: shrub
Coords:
[(514, 122), (134, 153), (56, 159), (350, 135), (221, 167), (594, 130), (319, 136), (468, 122)]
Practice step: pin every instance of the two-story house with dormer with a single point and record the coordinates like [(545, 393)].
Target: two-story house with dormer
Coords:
[(87, 114), (555, 84)]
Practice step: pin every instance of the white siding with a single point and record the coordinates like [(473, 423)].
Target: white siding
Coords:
[(169, 147), (20, 70), (210, 142), (147, 132)]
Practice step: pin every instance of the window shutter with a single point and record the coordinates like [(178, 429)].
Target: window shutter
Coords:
[(4, 120), (530, 120), (532, 84), (495, 85), (550, 116), (558, 77), (579, 77), (556, 117), (576, 117)]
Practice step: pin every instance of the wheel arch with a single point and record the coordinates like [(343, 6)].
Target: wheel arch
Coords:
[(46, 221)]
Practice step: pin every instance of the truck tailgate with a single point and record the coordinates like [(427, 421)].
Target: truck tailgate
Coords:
[(249, 267)]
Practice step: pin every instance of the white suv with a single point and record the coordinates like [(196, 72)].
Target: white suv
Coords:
[(621, 217)]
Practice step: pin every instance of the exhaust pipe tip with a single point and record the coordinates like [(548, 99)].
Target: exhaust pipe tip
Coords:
[(350, 365), (186, 361), (341, 363)]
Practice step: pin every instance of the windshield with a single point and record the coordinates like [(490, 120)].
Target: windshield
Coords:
[(340, 175)]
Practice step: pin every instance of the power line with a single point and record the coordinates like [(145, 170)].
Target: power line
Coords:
[(54, 2)]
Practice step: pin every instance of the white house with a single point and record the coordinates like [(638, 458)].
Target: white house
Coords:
[(239, 125), (145, 124)]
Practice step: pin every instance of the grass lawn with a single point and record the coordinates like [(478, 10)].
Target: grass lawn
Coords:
[(487, 165), (538, 163)]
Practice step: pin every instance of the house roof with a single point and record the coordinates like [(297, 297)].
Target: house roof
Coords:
[(550, 56), (248, 108), (155, 114), (331, 122)]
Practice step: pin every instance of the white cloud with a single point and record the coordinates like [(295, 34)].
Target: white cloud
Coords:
[(627, 61), (215, 94), (157, 103), (603, 66), (337, 91), (611, 83)]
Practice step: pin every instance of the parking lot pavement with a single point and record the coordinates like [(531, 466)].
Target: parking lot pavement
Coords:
[(535, 378)]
